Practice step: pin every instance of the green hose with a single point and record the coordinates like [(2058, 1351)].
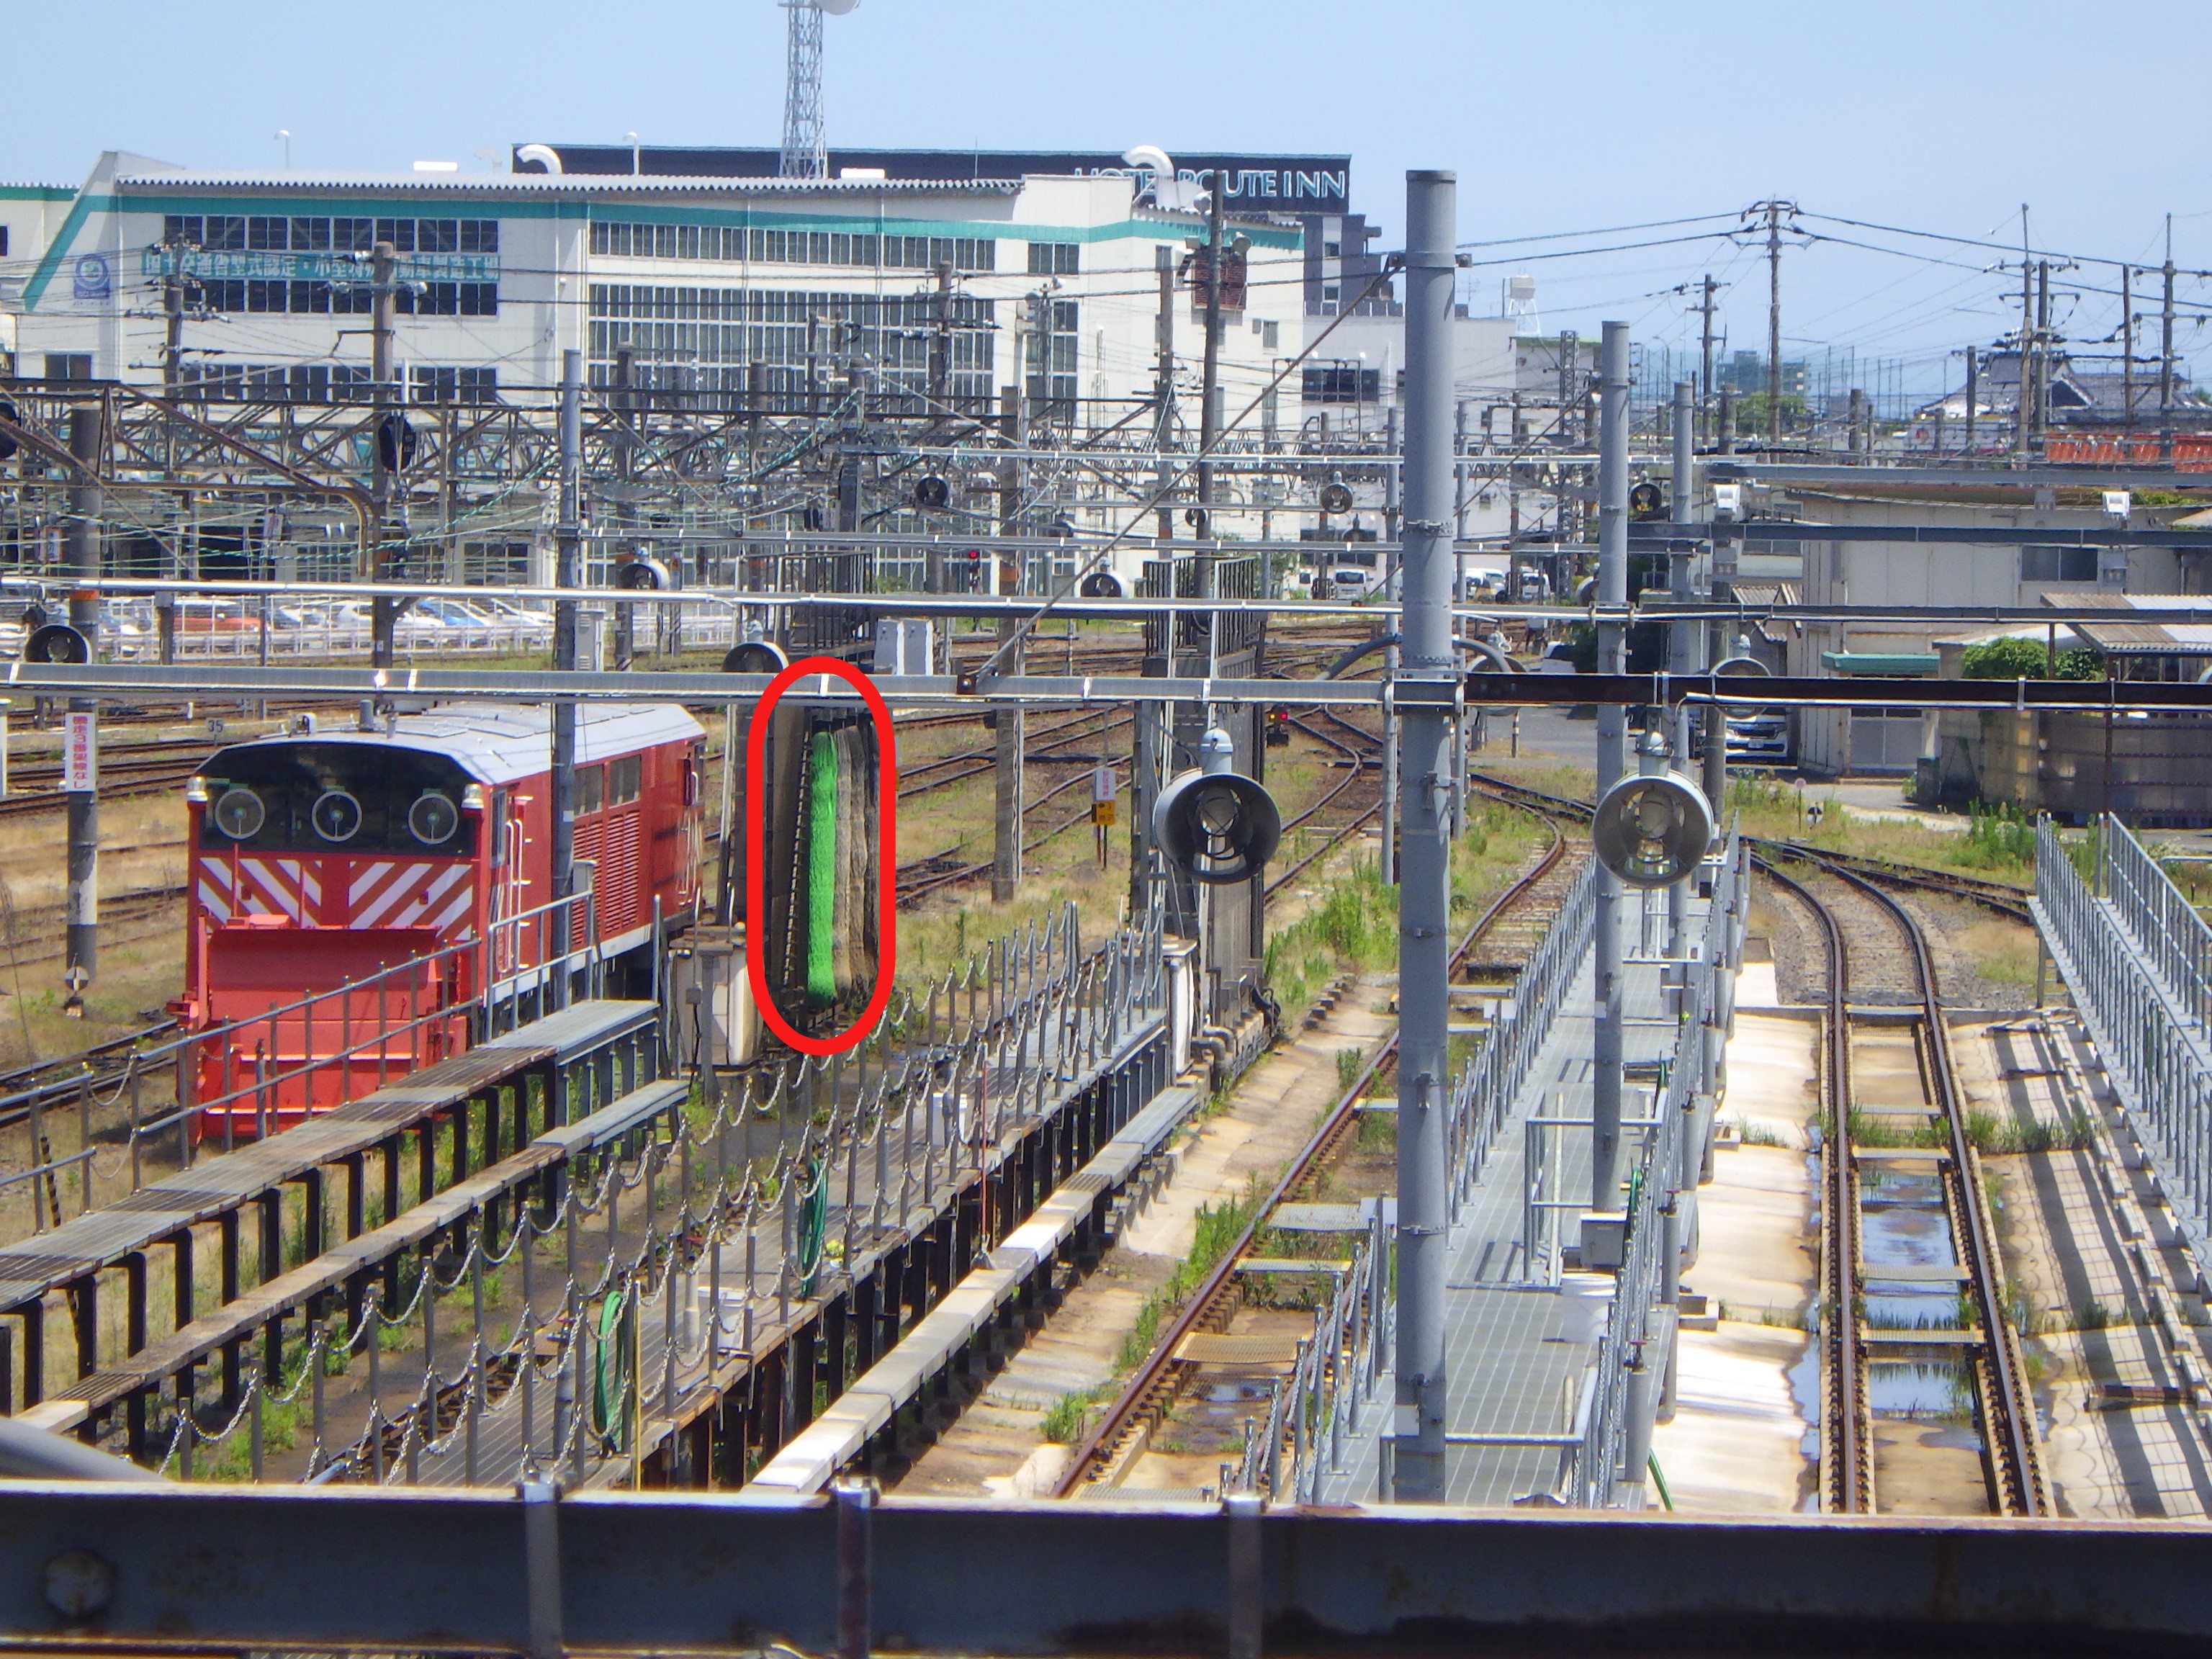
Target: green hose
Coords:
[(611, 1374), (813, 1226), (822, 873)]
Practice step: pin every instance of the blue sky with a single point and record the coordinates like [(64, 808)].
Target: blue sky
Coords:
[(1564, 116)]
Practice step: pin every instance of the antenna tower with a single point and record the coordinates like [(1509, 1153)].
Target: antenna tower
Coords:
[(806, 145)]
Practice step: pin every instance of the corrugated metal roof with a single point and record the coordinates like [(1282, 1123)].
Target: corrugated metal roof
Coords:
[(499, 744), (558, 184), (2141, 635)]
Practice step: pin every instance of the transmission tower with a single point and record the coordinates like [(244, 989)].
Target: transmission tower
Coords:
[(805, 146)]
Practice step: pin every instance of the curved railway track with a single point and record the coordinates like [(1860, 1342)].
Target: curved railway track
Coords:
[(1155, 1384), (2005, 1402), (1846, 1429)]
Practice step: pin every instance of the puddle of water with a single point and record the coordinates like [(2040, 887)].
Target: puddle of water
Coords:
[(1928, 1389), (1228, 1394)]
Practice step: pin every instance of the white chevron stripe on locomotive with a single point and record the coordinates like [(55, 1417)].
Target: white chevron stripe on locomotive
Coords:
[(392, 894), (213, 887)]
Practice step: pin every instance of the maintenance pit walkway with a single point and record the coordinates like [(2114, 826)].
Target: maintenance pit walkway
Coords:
[(485, 1097), (1513, 1373), (725, 1345)]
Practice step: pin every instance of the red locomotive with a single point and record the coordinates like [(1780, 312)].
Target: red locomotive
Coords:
[(320, 859)]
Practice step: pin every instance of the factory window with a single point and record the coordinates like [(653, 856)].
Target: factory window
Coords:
[(1341, 385), (1052, 363), (732, 244), (450, 299), (1055, 258), (1332, 250), (265, 232), (69, 365), (310, 235), (428, 383), (625, 779), (353, 235), (2058, 564), (591, 789), (495, 564)]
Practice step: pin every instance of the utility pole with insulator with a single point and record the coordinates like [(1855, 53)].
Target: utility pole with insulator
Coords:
[(1774, 210), (1706, 348), (87, 446)]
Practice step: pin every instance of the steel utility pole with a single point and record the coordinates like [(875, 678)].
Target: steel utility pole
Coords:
[(1973, 393), (567, 573), (1009, 758), (2166, 352), (1209, 413), (1685, 639), (1163, 390), (2127, 356), (1773, 211), (1612, 757), (2039, 431), (1425, 855), (173, 319), (388, 445), (87, 444), (1705, 350)]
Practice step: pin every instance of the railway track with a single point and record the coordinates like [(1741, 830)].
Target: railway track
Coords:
[(1997, 895), (2004, 1401), (1846, 1425), (1358, 762), (1164, 1377)]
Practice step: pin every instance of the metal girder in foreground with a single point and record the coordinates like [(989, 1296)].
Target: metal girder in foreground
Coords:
[(411, 1571)]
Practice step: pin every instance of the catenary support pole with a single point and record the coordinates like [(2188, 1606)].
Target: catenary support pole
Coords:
[(567, 558), (1685, 639), (87, 442), (1425, 851), (1009, 759), (1611, 756), (388, 450)]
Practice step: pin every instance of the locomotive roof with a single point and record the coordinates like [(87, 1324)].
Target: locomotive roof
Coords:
[(499, 743)]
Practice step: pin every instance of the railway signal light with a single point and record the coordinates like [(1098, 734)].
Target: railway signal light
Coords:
[(57, 643), (1277, 734), (1645, 502), (396, 442), (642, 576), (1216, 825), (755, 657), (1335, 498), (932, 492), (1100, 584), (1652, 830)]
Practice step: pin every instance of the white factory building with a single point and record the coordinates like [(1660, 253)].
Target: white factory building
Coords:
[(699, 279)]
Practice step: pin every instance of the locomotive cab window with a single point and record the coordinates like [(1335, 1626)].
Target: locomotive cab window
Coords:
[(325, 797), (625, 779)]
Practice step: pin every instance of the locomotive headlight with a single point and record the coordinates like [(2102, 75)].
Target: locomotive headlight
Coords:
[(472, 797), (335, 816), (433, 818), (196, 791), (238, 813)]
